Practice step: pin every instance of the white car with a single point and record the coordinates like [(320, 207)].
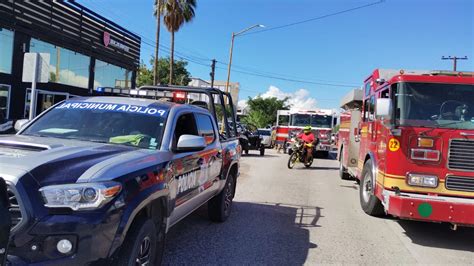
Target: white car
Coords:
[(266, 136)]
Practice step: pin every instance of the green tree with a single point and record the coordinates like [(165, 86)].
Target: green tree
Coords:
[(180, 74), (175, 14), (263, 111)]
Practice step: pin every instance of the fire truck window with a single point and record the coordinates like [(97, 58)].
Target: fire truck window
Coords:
[(385, 94), (283, 120), (366, 110), (372, 108), (367, 88)]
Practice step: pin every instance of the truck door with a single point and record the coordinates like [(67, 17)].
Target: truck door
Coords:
[(194, 172), (367, 125)]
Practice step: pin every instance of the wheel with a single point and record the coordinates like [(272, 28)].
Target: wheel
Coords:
[(292, 160), (220, 207), (368, 201), (143, 245), (309, 163), (262, 151), (343, 174)]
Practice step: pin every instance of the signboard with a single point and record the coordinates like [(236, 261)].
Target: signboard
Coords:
[(107, 39), (29, 67)]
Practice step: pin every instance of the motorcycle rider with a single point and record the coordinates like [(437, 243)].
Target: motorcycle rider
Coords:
[(307, 137)]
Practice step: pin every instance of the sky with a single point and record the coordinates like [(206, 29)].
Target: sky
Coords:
[(332, 55)]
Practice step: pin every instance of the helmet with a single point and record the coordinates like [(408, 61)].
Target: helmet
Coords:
[(307, 128)]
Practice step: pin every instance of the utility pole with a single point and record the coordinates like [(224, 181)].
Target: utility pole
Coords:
[(213, 72), (455, 60)]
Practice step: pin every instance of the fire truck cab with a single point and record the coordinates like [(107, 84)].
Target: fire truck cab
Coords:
[(408, 138), (322, 122)]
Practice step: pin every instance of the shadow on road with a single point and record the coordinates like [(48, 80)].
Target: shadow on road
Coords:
[(258, 155), (439, 235), (263, 233)]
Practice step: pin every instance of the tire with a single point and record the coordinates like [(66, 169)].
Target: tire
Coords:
[(262, 151), (142, 242), (368, 201), (220, 207), (308, 165), (343, 174), (292, 160)]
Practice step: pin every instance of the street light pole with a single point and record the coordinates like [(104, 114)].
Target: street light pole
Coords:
[(231, 51), (230, 63)]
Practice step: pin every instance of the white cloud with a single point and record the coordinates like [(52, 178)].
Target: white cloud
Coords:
[(299, 100), (242, 104)]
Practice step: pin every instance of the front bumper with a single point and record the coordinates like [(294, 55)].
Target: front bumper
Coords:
[(430, 208), (91, 234)]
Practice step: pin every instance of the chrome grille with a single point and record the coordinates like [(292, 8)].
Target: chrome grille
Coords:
[(14, 208), (461, 155), (460, 183)]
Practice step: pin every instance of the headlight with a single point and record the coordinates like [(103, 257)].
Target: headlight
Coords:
[(422, 180), (80, 196)]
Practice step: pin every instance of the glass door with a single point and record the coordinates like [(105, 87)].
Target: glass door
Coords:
[(4, 102), (44, 100)]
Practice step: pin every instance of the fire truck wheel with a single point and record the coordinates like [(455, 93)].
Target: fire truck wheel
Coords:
[(262, 151), (368, 201)]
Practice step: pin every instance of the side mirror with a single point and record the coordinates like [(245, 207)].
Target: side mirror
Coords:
[(188, 143), (20, 124), (383, 108)]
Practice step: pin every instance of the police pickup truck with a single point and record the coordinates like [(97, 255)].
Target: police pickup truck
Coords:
[(100, 180)]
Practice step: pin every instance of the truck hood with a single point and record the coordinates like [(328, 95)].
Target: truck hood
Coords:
[(59, 161)]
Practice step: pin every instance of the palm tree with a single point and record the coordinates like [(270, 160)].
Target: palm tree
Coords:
[(157, 13), (175, 14)]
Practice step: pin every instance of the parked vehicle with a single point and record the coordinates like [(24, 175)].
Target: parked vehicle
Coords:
[(408, 138), (251, 140), (266, 136), (100, 180), (299, 154)]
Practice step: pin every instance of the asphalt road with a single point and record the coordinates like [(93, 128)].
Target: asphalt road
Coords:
[(308, 216)]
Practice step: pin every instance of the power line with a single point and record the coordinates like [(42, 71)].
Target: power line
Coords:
[(316, 18), (285, 75), (246, 70), (293, 80)]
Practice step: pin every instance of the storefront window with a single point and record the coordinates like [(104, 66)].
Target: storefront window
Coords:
[(66, 67), (108, 75), (6, 51)]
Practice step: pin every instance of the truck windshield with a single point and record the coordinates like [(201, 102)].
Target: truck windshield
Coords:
[(138, 126), (301, 120), (435, 105)]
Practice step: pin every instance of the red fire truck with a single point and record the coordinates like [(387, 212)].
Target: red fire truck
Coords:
[(409, 139), (289, 123)]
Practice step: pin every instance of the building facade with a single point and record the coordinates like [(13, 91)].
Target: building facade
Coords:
[(86, 51), (234, 87)]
